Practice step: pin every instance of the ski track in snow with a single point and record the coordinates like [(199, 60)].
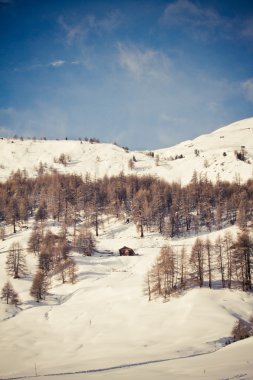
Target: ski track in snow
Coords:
[(113, 368)]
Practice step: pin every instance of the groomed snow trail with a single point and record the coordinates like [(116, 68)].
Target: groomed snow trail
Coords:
[(129, 365)]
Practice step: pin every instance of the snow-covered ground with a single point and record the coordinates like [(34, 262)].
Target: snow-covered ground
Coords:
[(104, 322), (216, 156)]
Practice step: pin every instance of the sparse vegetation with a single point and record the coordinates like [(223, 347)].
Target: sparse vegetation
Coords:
[(206, 163), (150, 154), (241, 155), (196, 152), (63, 159), (9, 295), (241, 330), (131, 164)]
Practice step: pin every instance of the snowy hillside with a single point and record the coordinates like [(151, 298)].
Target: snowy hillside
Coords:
[(210, 154), (216, 154), (105, 321), (103, 326)]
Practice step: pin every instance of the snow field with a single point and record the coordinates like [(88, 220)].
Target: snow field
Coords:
[(108, 159), (104, 320)]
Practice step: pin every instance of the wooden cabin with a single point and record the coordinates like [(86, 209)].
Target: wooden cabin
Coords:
[(126, 251)]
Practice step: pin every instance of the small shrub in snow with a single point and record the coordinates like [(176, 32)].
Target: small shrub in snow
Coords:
[(131, 164), (178, 156), (62, 159), (241, 155), (241, 330), (206, 163), (9, 295)]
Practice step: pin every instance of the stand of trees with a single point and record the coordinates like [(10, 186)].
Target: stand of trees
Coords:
[(53, 259), (152, 204), (226, 262)]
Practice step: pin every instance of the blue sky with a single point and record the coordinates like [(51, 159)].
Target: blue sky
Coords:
[(144, 74)]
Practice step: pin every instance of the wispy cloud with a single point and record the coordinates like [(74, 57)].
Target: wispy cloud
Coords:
[(197, 19), (77, 62), (202, 22), (144, 63), (54, 64), (80, 29), (72, 31), (247, 87), (57, 63), (185, 11)]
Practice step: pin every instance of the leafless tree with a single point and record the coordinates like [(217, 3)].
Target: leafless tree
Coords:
[(147, 286), (39, 286), (220, 259), (85, 242), (9, 295), (209, 250), (242, 259), (197, 261), (16, 263)]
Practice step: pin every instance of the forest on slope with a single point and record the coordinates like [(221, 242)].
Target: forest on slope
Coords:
[(152, 204), (80, 206)]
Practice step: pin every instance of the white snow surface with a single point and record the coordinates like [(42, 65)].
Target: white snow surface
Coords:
[(103, 326), (104, 322), (108, 159)]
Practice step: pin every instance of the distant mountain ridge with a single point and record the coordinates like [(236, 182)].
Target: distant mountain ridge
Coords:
[(211, 155)]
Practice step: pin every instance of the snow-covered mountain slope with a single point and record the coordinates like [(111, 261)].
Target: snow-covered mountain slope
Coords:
[(211, 155), (214, 154), (105, 321)]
